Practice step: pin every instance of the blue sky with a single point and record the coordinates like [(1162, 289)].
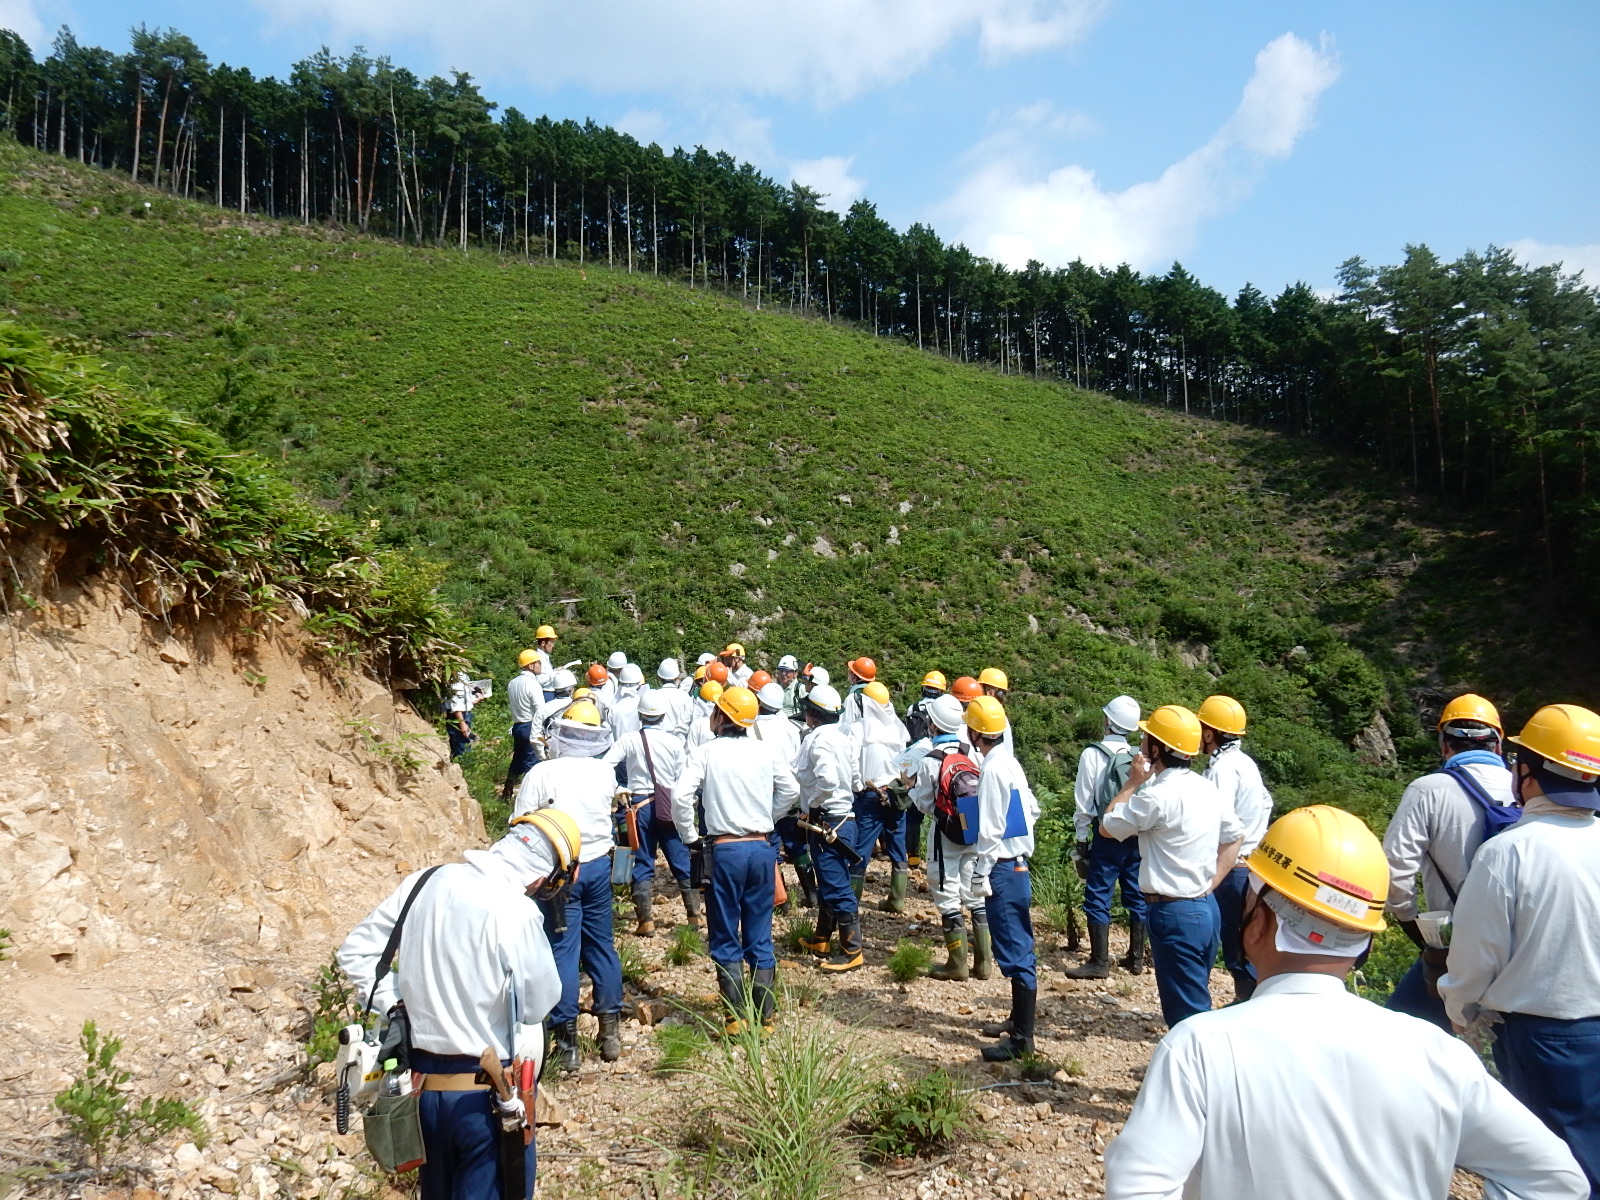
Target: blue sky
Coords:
[(1253, 141)]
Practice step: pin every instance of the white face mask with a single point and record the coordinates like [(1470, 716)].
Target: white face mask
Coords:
[(1302, 932)]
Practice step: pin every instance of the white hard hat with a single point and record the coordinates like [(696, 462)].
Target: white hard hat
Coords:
[(617, 661), (770, 696), (946, 712), (819, 677), (652, 705), (1123, 713), (788, 663), (669, 669), (563, 681), (631, 674), (825, 698), (703, 659)]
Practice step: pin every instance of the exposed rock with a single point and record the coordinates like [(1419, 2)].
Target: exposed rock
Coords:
[(1374, 745), (823, 548)]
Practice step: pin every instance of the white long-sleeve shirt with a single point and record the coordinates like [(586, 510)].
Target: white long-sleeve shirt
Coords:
[(826, 772), (549, 711), (680, 709), (742, 785), (666, 752), (1311, 1093), (624, 715), (1437, 828), (1238, 778), (1180, 819), (782, 734), (1001, 783), (523, 696), (473, 962), (583, 788), (1524, 934), (1093, 764)]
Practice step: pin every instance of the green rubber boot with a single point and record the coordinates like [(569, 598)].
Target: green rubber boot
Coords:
[(895, 901), (982, 946), (954, 966)]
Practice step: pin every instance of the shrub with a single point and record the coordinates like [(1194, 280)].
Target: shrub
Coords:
[(909, 961), (333, 1006), (915, 1118), (101, 1116)]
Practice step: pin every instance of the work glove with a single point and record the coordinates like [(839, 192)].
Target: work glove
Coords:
[(513, 1113), (1080, 859), (982, 886)]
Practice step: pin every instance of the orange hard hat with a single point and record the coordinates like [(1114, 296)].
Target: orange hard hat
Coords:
[(966, 689), (863, 668), (598, 674), (758, 681), (717, 672)]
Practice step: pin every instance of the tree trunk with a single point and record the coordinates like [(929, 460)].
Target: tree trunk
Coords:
[(161, 135), (138, 123), (222, 142), (466, 174), (244, 153)]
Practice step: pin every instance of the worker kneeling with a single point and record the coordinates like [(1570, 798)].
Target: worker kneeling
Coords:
[(1308, 1090), (476, 977)]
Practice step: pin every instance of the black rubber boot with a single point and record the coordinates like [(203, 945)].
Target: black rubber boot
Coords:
[(643, 909), (730, 982), (1099, 964), (563, 1049), (821, 939), (694, 908), (1133, 961), (610, 1036), (982, 945), (1024, 1011), (954, 966), (807, 875), (764, 997), (848, 957)]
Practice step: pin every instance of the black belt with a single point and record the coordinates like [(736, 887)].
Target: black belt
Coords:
[(1158, 898)]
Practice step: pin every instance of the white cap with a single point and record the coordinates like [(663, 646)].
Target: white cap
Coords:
[(770, 697), (1123, 713), (617, 661), (819, 677), (788, 663), (946, 712), (563, 681), (652, 705), (631, 674), (703, 659), (825, 698), (669, 669)]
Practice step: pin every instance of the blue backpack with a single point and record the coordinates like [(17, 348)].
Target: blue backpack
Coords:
[(1495, 816)]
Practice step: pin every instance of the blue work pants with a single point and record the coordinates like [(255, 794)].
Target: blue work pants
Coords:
[(1184, 938), (460, 742), (523, 752), (739, 903), (1230, 895), (589, 943), (461, 1135), (1411, 996), (876, 816), (1010, 905), (1551, 1066), (660, 836), (1112, 863), (835, 895)]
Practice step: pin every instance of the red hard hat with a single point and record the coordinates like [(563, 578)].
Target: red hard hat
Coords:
[(758, 681)]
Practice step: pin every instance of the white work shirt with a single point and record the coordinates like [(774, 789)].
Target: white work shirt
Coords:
[(1437, 828), (523, 696), (474, 960), (624, 715), (461, 697), (666, 752), (826, 772), (583, 788), (781, 734), (1000, 781), (1239, 780), (1311, 1093), (1181, 819), (549, 711), (680, 710), (855, 707), (1524, 935), (699, 733), (740, 676), (542, 670), (741, 784), (1092, 767)]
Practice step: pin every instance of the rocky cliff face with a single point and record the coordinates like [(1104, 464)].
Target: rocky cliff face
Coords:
[(201, 784)]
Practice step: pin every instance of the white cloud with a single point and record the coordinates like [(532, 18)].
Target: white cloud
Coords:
[(830, 50), (22, 18), (831, 177), (1007, 211), (1572, 258)]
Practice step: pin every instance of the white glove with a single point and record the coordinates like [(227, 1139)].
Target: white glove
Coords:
[(982, 886), (512, 1108)]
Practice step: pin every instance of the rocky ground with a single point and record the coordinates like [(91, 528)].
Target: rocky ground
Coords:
[(228, 1035)]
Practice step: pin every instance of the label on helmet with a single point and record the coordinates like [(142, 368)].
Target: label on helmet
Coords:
[(1345, 884), (1342, 901), (1584, 758)]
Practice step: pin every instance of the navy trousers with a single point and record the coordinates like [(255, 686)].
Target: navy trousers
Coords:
[(1112, 864), (791, 841), (460, 742), (461, 1135), (1184, 938), (1411, 997), (739, 904), (1010, 907), (833, 869), (523, 752), (1551, 1066), (660, 836), (877, 815), (587, 943), (1230, 895)]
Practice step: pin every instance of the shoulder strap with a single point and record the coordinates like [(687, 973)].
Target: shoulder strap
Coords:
[(649, 763), (386, 959), (1470, 786)]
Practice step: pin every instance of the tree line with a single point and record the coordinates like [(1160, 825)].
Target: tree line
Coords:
[(1477, 379)]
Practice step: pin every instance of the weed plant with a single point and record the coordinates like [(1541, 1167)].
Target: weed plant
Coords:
[(917, 1117), (910, 960), (333, 1006), (635, 967), (680, 1044), (799, 929), (684, 946), (102, 1117)]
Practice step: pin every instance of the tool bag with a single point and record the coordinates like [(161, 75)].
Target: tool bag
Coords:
[(661, 799), (955, 797), (1119, 763)]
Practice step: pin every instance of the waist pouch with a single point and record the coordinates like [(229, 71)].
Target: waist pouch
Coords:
[(393, 1130)]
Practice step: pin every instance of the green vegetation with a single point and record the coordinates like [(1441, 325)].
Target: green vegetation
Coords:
[(333, 1006), (101, 1115), (635, 967), (910, 960), (681, 1043), (918, 1117), (685, 945)]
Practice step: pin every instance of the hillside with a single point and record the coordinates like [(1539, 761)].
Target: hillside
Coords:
[(690, 469)]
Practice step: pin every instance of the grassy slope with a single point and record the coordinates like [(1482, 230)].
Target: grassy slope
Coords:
[(672, 457)]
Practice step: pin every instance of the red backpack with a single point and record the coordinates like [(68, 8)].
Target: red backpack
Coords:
[(955, 797)]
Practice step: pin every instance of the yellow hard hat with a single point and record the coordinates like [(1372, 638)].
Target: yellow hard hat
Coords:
[(1222, 713), (1175, 726), (583, 712), (738, 705), (1471, 707), (987, 716), (1567, 737), (580, 693), (544, 633), (710, 690), (877, 691), (559, 829), (1328, 862), (935, 679), (527, 657), (732, 649), (700, 671), (994, 677)]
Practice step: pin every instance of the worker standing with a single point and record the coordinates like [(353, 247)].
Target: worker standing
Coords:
[(1526, 946), (544, 643), (918, 727), (562, 684), (475, 972), (861, 672), (1007, 812), (652, 759), (1309, 1090), (827, 797), (879, 738), (739, 672), (524, 695), (739, 787), (945, 788), (576, 781), (783, 736), (1188, 841), (1104, 863), (1441, 820), (1222, 726), (458, 708), (787, 676), (624, 715)]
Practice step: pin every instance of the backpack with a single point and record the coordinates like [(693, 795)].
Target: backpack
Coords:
[(918, 726), (955, 797), (1495, 816), (1119, 763)]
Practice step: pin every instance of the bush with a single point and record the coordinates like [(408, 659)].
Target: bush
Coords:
[(916, 1118), (333, 1006), (909, 961), (99, 1111)]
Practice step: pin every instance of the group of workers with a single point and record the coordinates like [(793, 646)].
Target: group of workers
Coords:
[(728, 772)]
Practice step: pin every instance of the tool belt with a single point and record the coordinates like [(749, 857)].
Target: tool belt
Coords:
[(465, 1081)]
